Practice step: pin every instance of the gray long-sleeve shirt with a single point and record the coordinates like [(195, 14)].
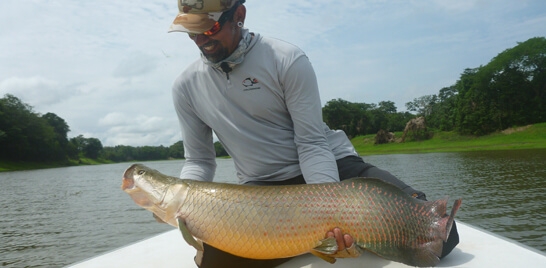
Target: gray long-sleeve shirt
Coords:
[(266, 113)]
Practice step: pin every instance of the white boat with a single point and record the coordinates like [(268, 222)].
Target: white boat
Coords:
[(477, 248)]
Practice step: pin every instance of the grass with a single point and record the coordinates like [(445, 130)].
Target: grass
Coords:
[(528, 137), (11, 166)]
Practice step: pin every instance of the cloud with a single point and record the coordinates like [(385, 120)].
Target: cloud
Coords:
[(107, 67), (138, 130), (460, 5), (38, 91), (136, 64)]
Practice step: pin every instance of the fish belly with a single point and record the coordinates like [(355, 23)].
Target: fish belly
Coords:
[(268, 222)]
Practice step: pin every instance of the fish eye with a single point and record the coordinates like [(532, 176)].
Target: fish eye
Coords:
[(140, 172)]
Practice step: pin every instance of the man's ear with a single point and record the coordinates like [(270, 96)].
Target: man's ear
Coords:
[(240, 14)]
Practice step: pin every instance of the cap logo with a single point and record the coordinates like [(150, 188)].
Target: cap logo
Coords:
[(226, 3), (188, 5), (198, 6)]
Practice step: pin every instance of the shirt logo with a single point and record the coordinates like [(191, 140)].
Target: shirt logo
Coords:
[(249, 84)]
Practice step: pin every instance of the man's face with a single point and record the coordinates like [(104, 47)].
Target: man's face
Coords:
[(219, 46)]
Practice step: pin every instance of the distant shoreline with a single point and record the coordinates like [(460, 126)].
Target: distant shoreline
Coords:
[(526, 137)]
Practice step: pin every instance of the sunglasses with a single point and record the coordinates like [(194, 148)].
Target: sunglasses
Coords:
[(212, 31), (227, 15)]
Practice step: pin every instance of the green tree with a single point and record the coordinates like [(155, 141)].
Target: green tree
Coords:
[(59, 126), (447, 108), (510, 90), (219, 148), (78, 142), (92, 148), (362, 118), (387, 107), (443, 110), (423, 106), (88, 147), (177, 150), (119, 153), (399, 120), (466, 102), (25, 135), (353, 118), (61, 129), (386, 116), (339, 114)]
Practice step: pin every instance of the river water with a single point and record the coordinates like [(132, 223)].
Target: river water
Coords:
[(55, 217)]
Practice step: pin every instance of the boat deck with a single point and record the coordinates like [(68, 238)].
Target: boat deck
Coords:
[(478, 248)]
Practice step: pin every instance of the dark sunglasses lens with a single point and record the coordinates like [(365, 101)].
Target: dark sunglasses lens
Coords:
[(215, 29)]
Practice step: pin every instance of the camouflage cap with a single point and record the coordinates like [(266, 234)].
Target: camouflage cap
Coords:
[(198, 16)]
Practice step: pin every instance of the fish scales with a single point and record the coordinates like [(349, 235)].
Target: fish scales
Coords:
[(267, 222)]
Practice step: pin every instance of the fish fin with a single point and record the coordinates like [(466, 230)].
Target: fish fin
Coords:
[(187, 235), (446, 221), (323, 256), (326, 247), (428, 254), (158, 219), (451, 218)]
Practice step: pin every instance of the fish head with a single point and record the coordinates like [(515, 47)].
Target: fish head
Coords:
[(154, 191)]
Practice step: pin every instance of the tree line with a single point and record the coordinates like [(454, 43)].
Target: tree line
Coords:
[(29, 136), (509, 91), (357, 119)]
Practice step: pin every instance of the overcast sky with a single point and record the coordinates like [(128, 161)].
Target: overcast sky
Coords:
[(106, 67)]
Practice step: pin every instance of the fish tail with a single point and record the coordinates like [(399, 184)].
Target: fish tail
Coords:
[(446, 221), (451, 218), (428, 254)]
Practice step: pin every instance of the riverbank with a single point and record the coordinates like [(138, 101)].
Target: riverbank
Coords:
[(527, 137), (14, 166)]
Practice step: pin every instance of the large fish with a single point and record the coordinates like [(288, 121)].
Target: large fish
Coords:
[(268, 222)]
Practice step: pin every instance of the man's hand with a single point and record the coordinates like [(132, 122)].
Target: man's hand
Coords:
[(345, 244)]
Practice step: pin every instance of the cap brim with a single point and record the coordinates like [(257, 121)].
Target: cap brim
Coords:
[(194, 23)]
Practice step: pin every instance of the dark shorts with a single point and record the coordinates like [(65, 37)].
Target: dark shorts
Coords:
[(349, 167)]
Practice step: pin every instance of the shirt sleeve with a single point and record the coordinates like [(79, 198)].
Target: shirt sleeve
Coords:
[(200, 163), (317, 161)]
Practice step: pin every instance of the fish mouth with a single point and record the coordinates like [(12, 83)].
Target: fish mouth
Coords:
[(128, 185), (128, 181)]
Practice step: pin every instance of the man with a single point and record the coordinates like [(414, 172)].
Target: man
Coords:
[(260, 97)]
